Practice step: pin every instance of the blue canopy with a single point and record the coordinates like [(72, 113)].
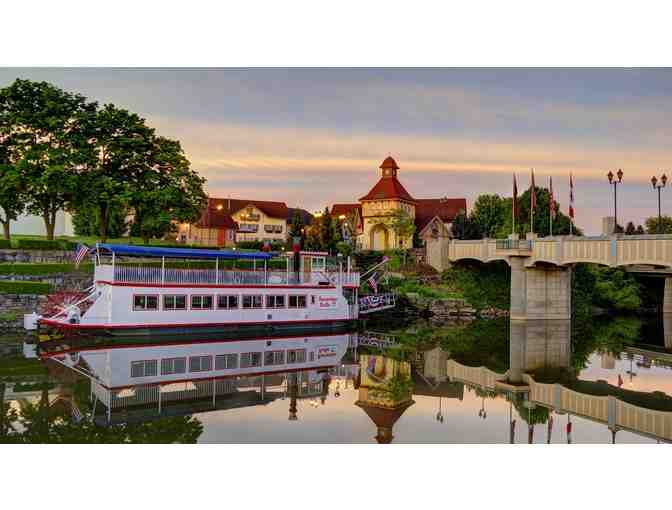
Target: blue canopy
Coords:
[(180, 253)]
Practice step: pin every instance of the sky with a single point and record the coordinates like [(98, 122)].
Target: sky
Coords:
[(314, 137)]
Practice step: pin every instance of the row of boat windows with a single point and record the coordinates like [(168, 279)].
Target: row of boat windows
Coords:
[(170, 366), (223, 301)]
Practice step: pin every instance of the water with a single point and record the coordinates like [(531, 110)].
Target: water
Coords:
[(486, 381)]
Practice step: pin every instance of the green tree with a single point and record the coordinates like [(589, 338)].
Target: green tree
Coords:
[(47, 129), (630, 229), (616, 289), (297, 228), (464, 228), (86, 221), (561, 223), (11, 194), (489, 214), (122, 148), (165, 190), (402, 225), (665, 225), (640, 230)]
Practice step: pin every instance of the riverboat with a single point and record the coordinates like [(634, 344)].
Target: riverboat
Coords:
[(140, 290)]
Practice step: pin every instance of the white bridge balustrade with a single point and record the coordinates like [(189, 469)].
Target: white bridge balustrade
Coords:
[(611, 251), (158, 275), (541, 267)]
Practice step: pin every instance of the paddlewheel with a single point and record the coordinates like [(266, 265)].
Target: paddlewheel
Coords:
[(59, 301)]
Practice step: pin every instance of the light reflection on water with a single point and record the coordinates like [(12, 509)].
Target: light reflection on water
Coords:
[(336, 402)]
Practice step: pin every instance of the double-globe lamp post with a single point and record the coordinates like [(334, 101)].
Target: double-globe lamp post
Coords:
[(615, 179), (658, 186)]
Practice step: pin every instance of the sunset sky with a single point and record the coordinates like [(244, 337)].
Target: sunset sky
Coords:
[(312, 137)]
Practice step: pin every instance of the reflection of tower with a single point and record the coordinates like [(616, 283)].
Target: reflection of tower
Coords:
[(607, 361), (293, 388), (379, 393)]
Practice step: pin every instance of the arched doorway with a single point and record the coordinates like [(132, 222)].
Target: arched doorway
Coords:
[(380, 238)]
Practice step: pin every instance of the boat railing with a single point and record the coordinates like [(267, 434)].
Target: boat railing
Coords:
[(159, 275)]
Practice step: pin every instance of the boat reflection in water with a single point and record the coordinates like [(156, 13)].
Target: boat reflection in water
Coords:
[(134, 381)]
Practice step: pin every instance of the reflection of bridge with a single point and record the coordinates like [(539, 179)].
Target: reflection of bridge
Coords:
[(537, 346), (541, 267)]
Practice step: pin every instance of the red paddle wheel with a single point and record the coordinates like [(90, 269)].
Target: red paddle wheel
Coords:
[(59, 301)]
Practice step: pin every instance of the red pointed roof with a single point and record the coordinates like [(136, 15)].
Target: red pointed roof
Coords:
[(388, 188), (389, 162), (213, 218), (445, 208), (338, 209)]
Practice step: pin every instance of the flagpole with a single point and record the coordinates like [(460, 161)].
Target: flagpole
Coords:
[(551, 207), (533, 203)]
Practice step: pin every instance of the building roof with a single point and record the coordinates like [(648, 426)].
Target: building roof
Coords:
[(338, 209), (233, 205), (445, 208), (388, 187), (213, 218), (389, 162), (306, 217)]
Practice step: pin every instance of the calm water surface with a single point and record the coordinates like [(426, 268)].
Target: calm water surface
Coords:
[(486, 381)]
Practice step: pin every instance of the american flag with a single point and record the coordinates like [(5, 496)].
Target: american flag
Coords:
[(552, 200), (571, 197), (373, 284), (80, 252)]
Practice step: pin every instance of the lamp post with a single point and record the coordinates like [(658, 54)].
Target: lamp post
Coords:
[(658, 186), (614, 181)]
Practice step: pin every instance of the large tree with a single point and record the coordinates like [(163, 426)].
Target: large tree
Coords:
[(122, 153), (49, 145), (652, 225), (165, 190), (488, 213), (11, 189)]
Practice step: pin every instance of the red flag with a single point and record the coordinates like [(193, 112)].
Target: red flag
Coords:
[(571, 197), (551, 204), (533, 194)]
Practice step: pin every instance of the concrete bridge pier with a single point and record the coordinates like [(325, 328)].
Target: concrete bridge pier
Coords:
[(540, 292), (538, 344)]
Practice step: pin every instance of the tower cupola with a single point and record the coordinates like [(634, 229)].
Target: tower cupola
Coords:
[(389, 167)]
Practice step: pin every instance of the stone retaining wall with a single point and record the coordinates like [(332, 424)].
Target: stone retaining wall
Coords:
[(448, 309), (16, 305), (37, 256), (60, 281)]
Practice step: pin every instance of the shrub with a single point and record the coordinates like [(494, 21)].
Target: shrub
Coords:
[(38, 244), (42, 269), (5, 244), (16, 287)]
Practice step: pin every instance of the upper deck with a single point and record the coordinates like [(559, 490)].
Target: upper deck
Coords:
[(130, 274)]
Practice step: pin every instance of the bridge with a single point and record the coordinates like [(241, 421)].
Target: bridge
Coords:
[(541, 267)]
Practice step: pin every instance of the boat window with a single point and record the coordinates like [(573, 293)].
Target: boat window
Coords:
[(175, 302), (250, 359), (143, 368), (296, 356), (275, 301), (297, 301), (201, 302), (226, 302), (173, 366), (226, 361), (317, 263), (145, 302), (274, 358), (200, 363), (252, 302)]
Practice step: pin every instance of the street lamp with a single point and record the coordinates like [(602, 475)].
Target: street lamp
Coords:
[(614, 181), (659, 185)]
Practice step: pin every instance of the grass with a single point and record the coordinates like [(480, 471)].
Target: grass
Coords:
[(438, 291), (16, 287), (10, 316)]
